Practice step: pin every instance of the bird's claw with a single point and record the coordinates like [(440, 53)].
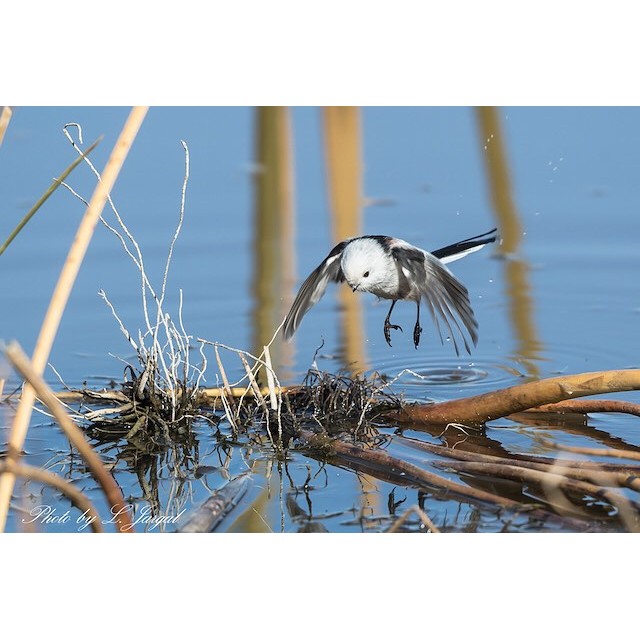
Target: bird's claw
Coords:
[(417, 330), (387, 334)]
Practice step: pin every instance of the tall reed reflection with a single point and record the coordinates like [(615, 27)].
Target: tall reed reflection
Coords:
[(274, 270), (343, 150), (517, 287)]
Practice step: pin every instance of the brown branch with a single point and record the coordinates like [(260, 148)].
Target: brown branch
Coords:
[(78, 499), (477, 410), (589, 406)]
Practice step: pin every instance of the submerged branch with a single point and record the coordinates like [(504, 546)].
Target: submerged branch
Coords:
[(588, 406), (603, 475), (211, 513), (550, 480), (380, 464)]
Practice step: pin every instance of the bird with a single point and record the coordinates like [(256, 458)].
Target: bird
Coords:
[(393, 269)]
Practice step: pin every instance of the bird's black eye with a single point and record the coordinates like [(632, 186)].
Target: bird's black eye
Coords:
[(366, 274)]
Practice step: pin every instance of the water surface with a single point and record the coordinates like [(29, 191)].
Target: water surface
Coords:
[(567, 302)]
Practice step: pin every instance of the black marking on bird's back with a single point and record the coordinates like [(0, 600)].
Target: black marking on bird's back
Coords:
[(339, 248), (408, 256), (338, 276), (384, 241), (413, 261)]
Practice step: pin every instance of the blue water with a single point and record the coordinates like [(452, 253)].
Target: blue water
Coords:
[(574, 179)]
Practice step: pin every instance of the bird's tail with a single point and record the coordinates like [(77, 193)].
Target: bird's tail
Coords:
[(464, 247)]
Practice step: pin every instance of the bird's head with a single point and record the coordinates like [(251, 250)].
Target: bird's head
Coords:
[(364, 264)]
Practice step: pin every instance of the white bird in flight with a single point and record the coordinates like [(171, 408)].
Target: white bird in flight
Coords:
[(393, 269)]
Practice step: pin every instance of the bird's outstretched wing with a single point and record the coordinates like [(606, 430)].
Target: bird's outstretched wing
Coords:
[(313, 288), (446, 297)]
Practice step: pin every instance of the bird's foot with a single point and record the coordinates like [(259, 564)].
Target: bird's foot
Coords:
[(387, 327), (417, 330)]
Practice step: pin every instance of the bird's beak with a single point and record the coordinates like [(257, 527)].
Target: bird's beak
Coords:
[(354, 288)]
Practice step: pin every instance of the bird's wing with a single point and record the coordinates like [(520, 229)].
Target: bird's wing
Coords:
[(446, 297), (313, 288)]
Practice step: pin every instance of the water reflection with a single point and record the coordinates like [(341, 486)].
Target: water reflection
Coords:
[(273, 240), (343, 150), (288, 495), (516, 269)]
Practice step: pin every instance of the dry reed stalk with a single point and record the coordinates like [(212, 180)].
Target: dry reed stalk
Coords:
[(56, 183), (227, 396), (5, 117), (477, 410), (78, 499), (426, 521), (112, 491), (257, 394), (273, 398), (61, 294), (208, 395)]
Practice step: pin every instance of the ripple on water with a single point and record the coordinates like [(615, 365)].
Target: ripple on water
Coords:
[(417, 374)]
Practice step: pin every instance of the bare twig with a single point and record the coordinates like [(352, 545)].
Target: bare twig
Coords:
[(227, 397), (257, 394), (124, 330)]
